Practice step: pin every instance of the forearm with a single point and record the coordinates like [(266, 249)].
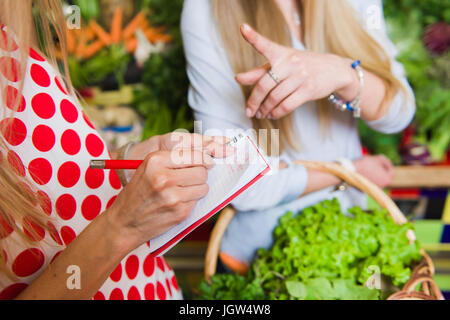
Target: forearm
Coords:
[(96, 252), (372, 96), (318, 180)]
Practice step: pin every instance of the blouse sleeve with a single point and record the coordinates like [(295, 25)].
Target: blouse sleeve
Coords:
[(218, 104), (403, 107)]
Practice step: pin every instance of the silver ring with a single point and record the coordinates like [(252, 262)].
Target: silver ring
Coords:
[(274, 76)]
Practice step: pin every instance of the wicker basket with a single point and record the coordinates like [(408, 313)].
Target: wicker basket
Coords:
[(422, 273)]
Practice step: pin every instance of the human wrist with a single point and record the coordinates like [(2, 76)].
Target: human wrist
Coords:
[(120, 240), (350, 80)]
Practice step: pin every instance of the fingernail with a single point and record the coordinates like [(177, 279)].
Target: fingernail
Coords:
[(248, 113), (270, 117), (246, 27), (259, 115)]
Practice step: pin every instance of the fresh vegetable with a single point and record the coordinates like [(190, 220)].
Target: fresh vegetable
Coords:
[(137, 21), (162, 100), (100, 32), (323, 253), (116, 25)]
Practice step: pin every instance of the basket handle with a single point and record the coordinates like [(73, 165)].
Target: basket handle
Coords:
[(352, 178)]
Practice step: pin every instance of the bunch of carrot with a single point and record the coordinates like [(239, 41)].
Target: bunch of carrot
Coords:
[(90, 39)]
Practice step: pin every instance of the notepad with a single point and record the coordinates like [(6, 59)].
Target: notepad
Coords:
[(228, 179)]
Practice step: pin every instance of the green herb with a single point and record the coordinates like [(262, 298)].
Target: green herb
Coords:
[(162, 100), (323, 253)]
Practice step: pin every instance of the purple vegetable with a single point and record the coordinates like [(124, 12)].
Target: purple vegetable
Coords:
[(416, 154)]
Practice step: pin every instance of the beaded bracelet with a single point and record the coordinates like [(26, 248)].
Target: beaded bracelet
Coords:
[(352, 106)]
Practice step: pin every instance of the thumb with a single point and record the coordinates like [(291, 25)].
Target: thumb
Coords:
[(251, 77)]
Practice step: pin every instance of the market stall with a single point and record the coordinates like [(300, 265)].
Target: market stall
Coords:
[(127, 63)]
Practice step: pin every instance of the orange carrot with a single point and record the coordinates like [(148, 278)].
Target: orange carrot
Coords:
[(131, 44), (81, 45), (164, 38), (100, 32), (116, 25), (93, 48), (134, 24)]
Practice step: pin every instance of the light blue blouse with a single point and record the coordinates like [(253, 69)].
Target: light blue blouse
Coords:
[(218, 103)]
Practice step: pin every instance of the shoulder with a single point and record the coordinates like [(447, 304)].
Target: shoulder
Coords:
[(196, 16)]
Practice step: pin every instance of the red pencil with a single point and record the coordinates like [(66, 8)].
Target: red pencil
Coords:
[(116, 164)]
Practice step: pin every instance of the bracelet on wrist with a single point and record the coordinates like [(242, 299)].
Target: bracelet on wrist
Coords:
[(352, 106)]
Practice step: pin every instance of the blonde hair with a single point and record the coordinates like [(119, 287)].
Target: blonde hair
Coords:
[(327, 27), (19, 202)]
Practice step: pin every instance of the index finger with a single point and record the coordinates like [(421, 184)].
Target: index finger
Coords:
[(261, 44)]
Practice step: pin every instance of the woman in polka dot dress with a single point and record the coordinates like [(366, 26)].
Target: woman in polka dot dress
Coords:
[(67, 231)]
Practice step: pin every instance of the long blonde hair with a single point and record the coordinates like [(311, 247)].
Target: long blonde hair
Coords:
[(19, 202), (327, 27)]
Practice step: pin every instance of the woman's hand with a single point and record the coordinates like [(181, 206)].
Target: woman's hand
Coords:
[(162, 193), (215, 146), (303, 76), (377, 169)]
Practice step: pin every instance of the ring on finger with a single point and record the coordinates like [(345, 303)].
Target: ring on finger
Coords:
[(274, 76)]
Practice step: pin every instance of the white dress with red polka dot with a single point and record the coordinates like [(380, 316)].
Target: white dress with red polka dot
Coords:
[(51, 142)]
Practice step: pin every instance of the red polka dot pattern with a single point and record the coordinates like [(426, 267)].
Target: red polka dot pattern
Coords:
[(160, 264), (7, 43), (13, 130), (174, 282), (12, 291), (91, 207), (67, 235), (60, 86), (56, 256), (149, 291), (94, 178), (149, 265), (28, 262), (44, 202), (66, 206), (70, 142), (40, 171), (133, 294), (88, 122), (168, 287), (43, 138), (116, 274), (6, 228), (43, 105), (114, 180), (99, 296), (116, 294), (10, 95), (54, 233), (32, 230), (35, 55), (69, 174), (16, 163), (132, 267), (110, 202), (39, 75), (10, 68), (69, 111), (160, 291), (50, 141), (94, 145)]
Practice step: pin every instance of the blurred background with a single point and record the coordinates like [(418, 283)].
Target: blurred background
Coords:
[(127, 63)]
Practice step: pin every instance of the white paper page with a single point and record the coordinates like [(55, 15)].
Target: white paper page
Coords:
[(226, 178)]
